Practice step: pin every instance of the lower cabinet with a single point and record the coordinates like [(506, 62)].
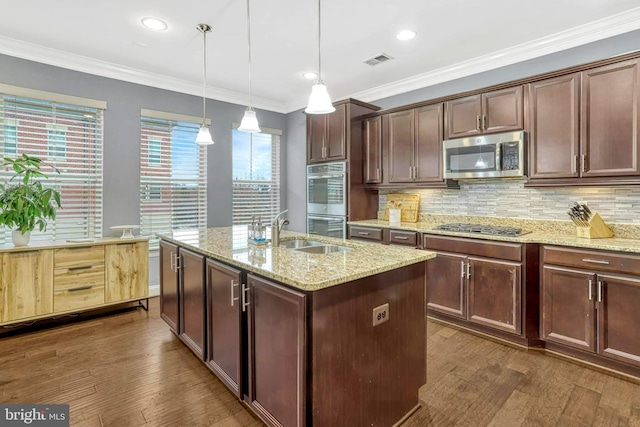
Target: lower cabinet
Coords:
[(169, 291), (193, 301), (590, 303)]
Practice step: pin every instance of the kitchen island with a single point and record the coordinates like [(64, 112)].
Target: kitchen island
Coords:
[(303, 339)]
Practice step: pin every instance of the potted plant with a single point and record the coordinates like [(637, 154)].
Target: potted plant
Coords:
[(24, 202)]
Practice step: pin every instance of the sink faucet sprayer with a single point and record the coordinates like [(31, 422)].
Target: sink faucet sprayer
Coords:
[(276, 227)]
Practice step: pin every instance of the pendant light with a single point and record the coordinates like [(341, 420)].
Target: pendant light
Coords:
[(204, 136), (319, 101), (249, 121)]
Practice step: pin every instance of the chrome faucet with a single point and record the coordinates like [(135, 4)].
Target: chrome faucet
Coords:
[(276, 227)]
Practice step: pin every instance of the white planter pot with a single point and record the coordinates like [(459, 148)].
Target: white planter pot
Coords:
[(394, 216), (20, 239)]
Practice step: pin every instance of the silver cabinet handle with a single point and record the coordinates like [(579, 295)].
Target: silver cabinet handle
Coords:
[(363, 233), (596, 261), (81, 288), (245, 297), (599, 290), (582, 158), (233, 285), (469, 270), (484, 122), (478, 123), (574, 164), (172, 261), (462, 272), (590, 291), (177, 264), (400, 238), (378, 174)]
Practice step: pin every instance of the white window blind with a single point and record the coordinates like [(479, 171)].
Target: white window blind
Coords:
[(256, 175), (173, 190), (68, 137)]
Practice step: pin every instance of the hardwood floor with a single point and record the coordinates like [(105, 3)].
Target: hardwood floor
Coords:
[(127, 369)]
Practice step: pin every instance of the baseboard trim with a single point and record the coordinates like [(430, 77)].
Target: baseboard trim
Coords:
[(154, 290)]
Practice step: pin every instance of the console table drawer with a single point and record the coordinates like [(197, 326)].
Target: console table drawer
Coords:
[(82, 256), (79, 297), (86, 275)]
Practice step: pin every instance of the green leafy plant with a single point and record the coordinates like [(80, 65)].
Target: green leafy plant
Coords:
[(24, 202)]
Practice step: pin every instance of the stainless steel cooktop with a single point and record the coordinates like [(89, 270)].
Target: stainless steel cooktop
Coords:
[(482, 229)]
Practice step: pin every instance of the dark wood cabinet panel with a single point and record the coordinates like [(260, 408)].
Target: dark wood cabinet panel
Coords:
[(277, 343), (568, 309), (365, 233), (373, 150), (428, 143), (483, 248), (554, 130), (464, 117), (316, 136), (404, 238), (169, 292), (591, 259), (336, 134), (192, 301), (400, 134), (610, 119), (494, 294), (618, 317), (446, 284), (224, 321), (502, 110)]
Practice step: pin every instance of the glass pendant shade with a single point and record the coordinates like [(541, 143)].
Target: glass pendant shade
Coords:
[(204, 136), (319, 101), (249, 122)]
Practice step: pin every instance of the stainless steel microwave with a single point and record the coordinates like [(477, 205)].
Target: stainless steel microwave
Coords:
[(499, 155)]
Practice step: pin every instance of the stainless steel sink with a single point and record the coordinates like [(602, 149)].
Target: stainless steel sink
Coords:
[(322, 249), (299, 243)]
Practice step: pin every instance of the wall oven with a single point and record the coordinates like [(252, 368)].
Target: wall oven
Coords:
[(327, 199), (490, 156)]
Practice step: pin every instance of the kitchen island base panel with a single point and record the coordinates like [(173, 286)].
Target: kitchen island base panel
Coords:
[(351, 357)]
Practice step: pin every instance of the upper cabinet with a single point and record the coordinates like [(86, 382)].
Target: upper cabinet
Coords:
[(326, 136), (490, 112), (584, 126)]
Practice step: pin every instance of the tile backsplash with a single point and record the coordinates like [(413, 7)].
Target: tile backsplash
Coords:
[(508, 198)]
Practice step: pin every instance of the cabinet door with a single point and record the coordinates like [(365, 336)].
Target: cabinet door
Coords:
[(26, 284), (373, 150), (463, 117), (401, 134), (446, 285), (224, 285), (618, 317), (169, 295), (277, 362), (494, 294), (316, 135), (126, 271), (336, 142), (502, 110), (554, 131), (610, 118), (192, 301), (568, 309), (428, 143)]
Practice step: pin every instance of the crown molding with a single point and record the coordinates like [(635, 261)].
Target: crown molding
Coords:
[(604, 28), (58, 58)]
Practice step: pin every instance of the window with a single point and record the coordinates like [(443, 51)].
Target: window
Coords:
[(256, 175), (66, 133), (173, 196)]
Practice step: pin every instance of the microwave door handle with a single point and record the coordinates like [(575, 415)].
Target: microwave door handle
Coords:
[(499, 156)]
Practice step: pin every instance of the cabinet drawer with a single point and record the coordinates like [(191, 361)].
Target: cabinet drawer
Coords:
[(79, 257), (405, 238), (500, 250), (366, 233), (78, 297), (72, 277), (591, 260)]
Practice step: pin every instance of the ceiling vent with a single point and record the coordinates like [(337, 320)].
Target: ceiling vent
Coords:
[(378, 59)]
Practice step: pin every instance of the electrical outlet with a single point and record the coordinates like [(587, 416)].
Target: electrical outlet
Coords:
[(380, 314)]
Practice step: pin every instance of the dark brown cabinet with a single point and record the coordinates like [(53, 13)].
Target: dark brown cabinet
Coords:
[(169, 291), (447, 285), (326, 136), (586, 307), (414, 141), (373, 150), (490, 112), (277, 352), (224, 324), (193, 301)]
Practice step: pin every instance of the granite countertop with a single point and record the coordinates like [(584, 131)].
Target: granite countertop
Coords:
[(545, 232), (308, 272)]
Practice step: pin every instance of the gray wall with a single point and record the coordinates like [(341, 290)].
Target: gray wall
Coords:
[(587, 53), (122, 134)]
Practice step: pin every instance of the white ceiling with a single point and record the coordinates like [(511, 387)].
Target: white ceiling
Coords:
[(454, 38)]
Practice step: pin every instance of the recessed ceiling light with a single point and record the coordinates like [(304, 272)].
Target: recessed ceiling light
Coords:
[(310, 75), (154, 24), (406, 35)]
